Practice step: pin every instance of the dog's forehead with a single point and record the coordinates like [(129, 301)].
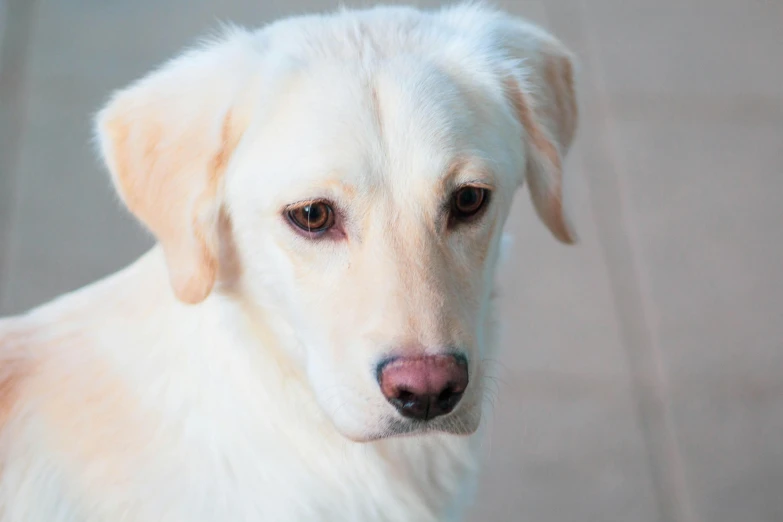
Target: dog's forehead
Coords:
[(401, 124)]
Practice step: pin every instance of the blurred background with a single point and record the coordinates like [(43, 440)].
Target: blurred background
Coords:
[(642, 370)]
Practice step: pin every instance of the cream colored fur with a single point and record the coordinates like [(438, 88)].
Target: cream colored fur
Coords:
[(227, 375)]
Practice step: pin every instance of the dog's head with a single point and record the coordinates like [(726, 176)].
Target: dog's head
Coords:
[(355, 171)]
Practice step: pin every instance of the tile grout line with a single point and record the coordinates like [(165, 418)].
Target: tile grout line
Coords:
[(636, 312), (18, 21), (3, 9)]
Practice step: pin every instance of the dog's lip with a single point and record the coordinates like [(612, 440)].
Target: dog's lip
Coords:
[(396, 428)]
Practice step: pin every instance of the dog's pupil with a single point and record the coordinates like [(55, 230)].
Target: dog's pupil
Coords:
[(468, 198), (313, 213)]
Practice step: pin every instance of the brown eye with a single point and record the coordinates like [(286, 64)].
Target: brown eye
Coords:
[(315, 216), (467, 202)]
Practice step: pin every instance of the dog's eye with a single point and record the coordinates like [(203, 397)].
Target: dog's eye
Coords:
[(313, 217), (467, 202)]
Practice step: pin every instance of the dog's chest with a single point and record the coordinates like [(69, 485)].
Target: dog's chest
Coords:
[(403, 480), (259, 460), (222, 475)]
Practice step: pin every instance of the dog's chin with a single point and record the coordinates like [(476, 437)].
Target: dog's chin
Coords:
[(400, 427)]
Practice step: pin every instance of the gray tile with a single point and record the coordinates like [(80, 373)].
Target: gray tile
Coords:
[(648, 378), (3, 7), (533, 10), (16, 23), (731, 441), (557, 311), (617, 236), (696, 48), (570, 452), (705, 203)]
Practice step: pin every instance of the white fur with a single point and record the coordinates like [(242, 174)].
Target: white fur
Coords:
[(257, 401)]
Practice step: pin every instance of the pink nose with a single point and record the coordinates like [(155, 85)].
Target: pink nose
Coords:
[(424, 387)]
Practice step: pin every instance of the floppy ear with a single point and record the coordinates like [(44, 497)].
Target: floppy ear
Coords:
[(167, 140), (541, 90)]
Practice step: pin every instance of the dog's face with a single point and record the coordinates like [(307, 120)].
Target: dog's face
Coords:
[(366, 179), (371, 210)]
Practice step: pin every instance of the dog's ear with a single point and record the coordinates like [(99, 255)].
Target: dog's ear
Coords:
[(540, 87), (166, 141)]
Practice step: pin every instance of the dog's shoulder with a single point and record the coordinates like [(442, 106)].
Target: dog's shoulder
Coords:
[(26, 343), (59, 339), (16, 363)]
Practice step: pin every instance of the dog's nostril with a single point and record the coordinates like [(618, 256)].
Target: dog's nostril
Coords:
[(446, 394), (424, 387), (449, 398), (405, 396)]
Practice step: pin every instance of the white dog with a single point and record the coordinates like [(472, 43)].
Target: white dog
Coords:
[(308, 340)]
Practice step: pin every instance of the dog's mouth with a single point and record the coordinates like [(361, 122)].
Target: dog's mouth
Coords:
[(395, 427), (451, 425)]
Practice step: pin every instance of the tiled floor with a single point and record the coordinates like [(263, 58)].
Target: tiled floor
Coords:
[(642, 376)]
